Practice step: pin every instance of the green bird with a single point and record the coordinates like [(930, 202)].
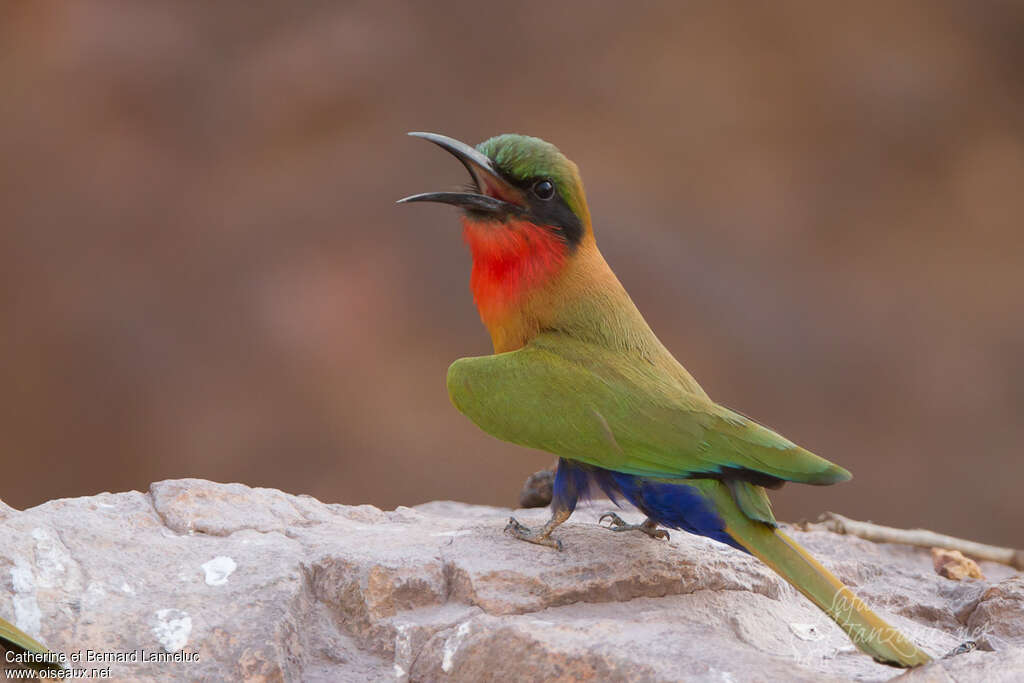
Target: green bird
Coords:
[(577, 372)]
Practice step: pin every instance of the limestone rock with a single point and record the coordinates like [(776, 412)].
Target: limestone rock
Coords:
[(954, 565), (255, 584)]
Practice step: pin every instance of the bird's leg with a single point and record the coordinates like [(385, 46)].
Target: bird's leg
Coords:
[(541, 535), (648, 526)]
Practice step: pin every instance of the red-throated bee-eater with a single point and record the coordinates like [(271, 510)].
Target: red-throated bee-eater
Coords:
[(578, 372)]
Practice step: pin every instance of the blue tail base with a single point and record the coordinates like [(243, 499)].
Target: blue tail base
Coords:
[(673, 505)]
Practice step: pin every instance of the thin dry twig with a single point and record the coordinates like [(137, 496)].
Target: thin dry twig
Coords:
[(917, 537)]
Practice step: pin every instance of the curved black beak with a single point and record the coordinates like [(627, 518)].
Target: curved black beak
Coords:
[(490, 186)]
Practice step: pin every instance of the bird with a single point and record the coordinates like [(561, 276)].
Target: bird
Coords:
[(578, 372)]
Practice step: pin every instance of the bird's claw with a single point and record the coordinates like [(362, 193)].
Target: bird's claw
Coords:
[(962, 648), (525, 533), (616, 523)]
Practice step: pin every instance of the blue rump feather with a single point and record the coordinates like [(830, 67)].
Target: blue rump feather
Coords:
[(676, 506)]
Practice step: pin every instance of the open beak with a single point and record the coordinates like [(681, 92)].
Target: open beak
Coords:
[(491, 188)]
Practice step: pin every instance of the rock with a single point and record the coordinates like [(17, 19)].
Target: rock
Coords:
[(538, 489), (996, 620), (245, 583), (953, 564)]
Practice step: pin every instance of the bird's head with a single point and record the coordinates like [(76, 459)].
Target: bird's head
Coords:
[(525, 220), (516, 180)]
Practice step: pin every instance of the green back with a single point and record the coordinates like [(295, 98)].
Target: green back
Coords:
[(614, 410)]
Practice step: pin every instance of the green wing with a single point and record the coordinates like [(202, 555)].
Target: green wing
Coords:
[(617, 411)]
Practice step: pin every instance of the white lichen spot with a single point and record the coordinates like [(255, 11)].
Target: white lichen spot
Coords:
[(218, 570), (27, 615), (172, 629), (95, 594), (403, 651), (451, 646), (21, 577), (806, 631), (52, 561), (125, 588), (725, 676)]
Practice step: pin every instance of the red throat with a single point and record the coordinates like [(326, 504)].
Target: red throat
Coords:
[(509, 260)]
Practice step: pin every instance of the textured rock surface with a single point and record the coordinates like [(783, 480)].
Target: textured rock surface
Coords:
[(262, 585)]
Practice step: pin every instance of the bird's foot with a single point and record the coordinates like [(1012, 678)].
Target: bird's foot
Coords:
[(962, 648), (648, 526), (541, 535)]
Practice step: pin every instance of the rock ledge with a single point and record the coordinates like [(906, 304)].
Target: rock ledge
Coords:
[(255, 584)]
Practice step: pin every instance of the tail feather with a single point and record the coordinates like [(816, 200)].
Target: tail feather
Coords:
[(739, 514), (867, 630), (13, 638)]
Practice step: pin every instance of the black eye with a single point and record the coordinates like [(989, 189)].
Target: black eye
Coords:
[(545, 189)]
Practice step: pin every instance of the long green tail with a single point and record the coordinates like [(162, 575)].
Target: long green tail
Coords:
[(867, 630), (13, 638)]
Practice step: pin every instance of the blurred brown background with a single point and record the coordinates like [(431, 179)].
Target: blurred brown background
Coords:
[(203, 273)]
